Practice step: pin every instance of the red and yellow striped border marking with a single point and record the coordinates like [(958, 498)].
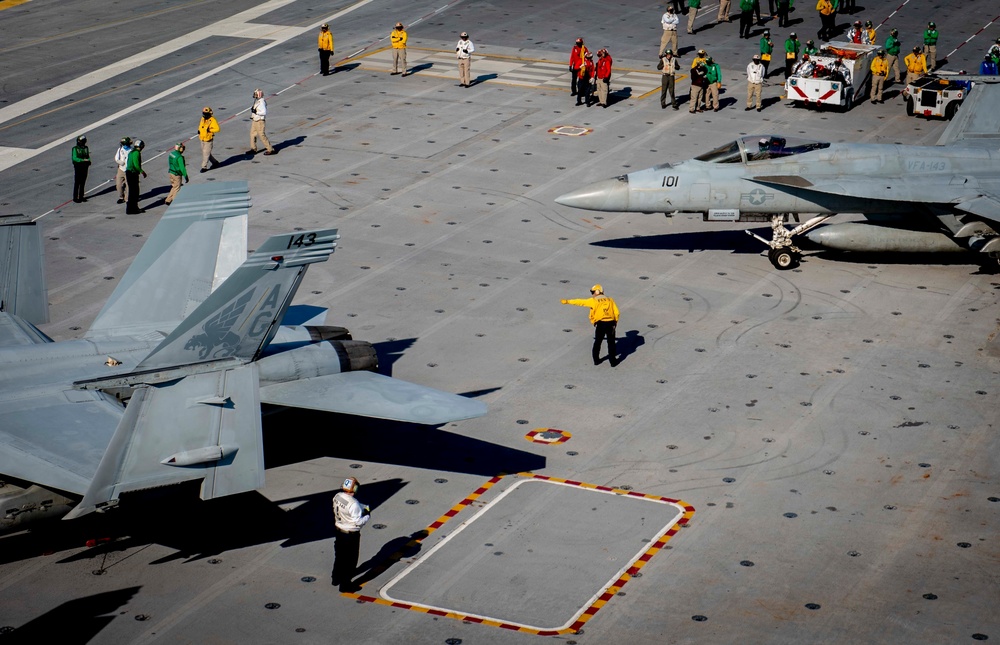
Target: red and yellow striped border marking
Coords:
[(588, 613), (535, 436)]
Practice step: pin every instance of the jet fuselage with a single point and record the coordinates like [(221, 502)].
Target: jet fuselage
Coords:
[(769, 185)]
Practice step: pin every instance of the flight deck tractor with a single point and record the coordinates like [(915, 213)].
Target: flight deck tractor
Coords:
[(937, 96)]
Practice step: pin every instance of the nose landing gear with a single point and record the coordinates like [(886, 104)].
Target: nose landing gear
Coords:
[(784, 258), (782, 252)]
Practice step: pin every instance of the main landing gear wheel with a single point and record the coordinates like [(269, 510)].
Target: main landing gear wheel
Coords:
[(783, 258)]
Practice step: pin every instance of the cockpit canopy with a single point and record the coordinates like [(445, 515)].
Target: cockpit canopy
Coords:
[(760, 148)]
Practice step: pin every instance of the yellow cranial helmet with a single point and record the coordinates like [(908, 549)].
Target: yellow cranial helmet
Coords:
[(597, 289)]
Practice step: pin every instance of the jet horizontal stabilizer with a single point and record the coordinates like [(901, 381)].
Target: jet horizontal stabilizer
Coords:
[(373, 395)]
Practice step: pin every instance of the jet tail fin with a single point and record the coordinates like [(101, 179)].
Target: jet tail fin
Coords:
[(203, 426), (241, 317), (197, 244), (22, 276)]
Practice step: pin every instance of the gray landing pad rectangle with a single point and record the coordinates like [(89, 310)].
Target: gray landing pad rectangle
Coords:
[(537, 556)]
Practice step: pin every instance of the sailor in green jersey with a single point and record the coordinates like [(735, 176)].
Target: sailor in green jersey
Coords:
[(892, 46), (766, 49), (81, 166), (930, 46), (133, 168), (792, 46), (176, 169)]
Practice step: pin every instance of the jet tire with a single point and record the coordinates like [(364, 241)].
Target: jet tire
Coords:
[(783, 259), (909, 106)]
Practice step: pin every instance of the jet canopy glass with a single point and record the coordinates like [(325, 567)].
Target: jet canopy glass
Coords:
[(760, 148)]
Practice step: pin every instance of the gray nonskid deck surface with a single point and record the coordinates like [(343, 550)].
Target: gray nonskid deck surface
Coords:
[(834, 426)]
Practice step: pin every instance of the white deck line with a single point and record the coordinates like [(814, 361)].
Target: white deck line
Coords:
[(12, 156)]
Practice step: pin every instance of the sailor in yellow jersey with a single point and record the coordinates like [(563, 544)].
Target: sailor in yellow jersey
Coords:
[(604, 318), (398, 39)]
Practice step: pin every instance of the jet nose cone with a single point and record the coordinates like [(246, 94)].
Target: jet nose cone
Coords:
[(607, 195)]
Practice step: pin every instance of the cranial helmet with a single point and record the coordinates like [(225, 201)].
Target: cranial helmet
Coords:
[(350, 485), (126, 141), (81, 140), (597, 289), (258, 93), (138, 144)]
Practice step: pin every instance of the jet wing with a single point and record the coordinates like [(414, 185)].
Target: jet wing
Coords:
[(15, 332), (373, 395), (977, 123), (204, 426), (56, 438), (197, 244)]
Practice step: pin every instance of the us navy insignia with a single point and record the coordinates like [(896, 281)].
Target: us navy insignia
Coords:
[(757, 196)]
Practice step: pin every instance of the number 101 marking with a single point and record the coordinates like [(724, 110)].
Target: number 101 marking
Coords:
[(669, 181)]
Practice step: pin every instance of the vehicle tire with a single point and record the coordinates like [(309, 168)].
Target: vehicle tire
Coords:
[(951, 110), (909, 106), (784, 258), (848, 101)]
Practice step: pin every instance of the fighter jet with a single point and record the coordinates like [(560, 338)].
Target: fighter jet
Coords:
[(940, 198), (166, 385)]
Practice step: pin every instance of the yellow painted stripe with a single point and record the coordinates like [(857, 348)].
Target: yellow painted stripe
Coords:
[(7, 4)]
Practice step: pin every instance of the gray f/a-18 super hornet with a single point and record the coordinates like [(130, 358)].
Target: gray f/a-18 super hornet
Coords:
[(166, 385), (919, 198)]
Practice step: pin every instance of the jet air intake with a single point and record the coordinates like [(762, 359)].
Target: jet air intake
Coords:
[(320, 359)]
